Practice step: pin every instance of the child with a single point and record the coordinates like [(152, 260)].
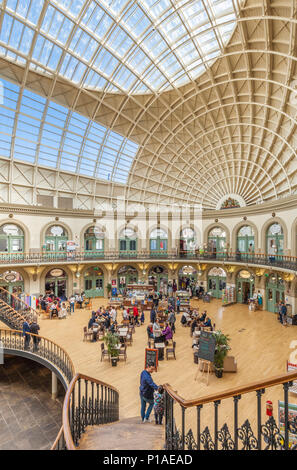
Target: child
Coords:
[(63, 311), (159, 404)]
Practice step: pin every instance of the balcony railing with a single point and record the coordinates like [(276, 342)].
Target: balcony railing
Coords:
[(281, 261), (87, 402), (204, 415), (41, 348)]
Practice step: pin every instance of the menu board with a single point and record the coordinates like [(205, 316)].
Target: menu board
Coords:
[(151, 357), (207, 346)]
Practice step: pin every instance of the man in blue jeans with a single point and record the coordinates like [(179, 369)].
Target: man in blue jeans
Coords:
[(146, 389)]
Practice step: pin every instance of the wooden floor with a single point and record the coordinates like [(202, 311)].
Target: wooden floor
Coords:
[(260, 344)]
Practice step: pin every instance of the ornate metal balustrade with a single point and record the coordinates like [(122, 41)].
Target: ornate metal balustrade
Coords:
[(275, 261), (253, 434), (40, 349), (88, 402)]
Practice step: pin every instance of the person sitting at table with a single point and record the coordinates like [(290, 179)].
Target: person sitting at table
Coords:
[(203, 316), (113, 327), (157, 331), (92, 320), (54, 309), (150, 333), (194, 325), (207, 323), (167, 333)]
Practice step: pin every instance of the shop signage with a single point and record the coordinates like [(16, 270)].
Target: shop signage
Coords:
[(151, 357), (10, 277), (207, 345), (71, 245), (56, 272)]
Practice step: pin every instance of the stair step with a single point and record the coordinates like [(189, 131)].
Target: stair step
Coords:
[(126, 434)]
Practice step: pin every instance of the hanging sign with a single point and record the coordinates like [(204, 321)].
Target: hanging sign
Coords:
[(56, 272)]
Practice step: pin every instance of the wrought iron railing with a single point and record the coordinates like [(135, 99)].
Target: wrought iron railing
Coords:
[(264, 259), (195, 424), (14, 311), (88, 402), (40, 347)]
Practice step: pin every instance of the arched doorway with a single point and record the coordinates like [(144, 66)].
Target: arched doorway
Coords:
[(158, 277), (56, 283), (275, 242), (187, 243), (245, 242), (158, 243), (187, 277), (217, 242), (94, 282), (275, 292), (94, 242), (56, 238), (13, 282), (11, 242), (245, 286), (216, 282), (127, 275), (128, 243)]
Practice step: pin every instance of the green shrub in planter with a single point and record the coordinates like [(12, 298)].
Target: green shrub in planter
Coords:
[(221, 351), (112, 341)]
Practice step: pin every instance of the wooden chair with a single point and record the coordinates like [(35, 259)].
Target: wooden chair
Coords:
[(100, 334), (129, 338), (87, 334), (104, 352), (123, 352), (171, 351)]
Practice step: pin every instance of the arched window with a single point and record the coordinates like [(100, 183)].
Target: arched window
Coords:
[(94, 242), (275, 292), (275, 241), (56, 238), (11, 239), (246, 241), (188, 242), (56, 283), (128, 241), (217, 242), (158, 242)]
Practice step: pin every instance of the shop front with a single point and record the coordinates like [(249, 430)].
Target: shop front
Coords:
[(245, 286), (128, 243), (126, 275), (275, 292), (245, 242), (275, 242), (187, 277), (187, 243), (12, 281), (11, 242), (94, 282), (216, 282), (56, 241), (217, 242), (56, 283), (94, 243), (158, 277), (158, 243)]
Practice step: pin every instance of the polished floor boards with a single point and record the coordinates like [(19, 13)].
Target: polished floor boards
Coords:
[(259, 343)]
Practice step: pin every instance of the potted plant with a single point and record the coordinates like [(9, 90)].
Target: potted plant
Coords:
[(108, 287), (221, 351), (112, 341)]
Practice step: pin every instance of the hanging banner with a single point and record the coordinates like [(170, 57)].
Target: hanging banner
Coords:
[(71, 245)]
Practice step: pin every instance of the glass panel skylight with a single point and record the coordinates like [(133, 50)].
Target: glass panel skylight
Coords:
[(118, 45), (36, 130)]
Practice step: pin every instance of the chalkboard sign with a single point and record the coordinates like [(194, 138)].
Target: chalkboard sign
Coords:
[(207, 345), (151, 357)]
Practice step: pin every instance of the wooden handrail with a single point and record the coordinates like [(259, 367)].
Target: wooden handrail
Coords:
[(229, 393), (66, 406), (60, 433)]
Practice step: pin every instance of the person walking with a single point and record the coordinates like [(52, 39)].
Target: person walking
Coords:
[(284, 311), (146, 391), (172, 320), (27, 337), (34, 329), (135, 315), (153, 315), (72, 303)]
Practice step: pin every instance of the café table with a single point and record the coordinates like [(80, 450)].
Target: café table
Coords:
[(160, 347)]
